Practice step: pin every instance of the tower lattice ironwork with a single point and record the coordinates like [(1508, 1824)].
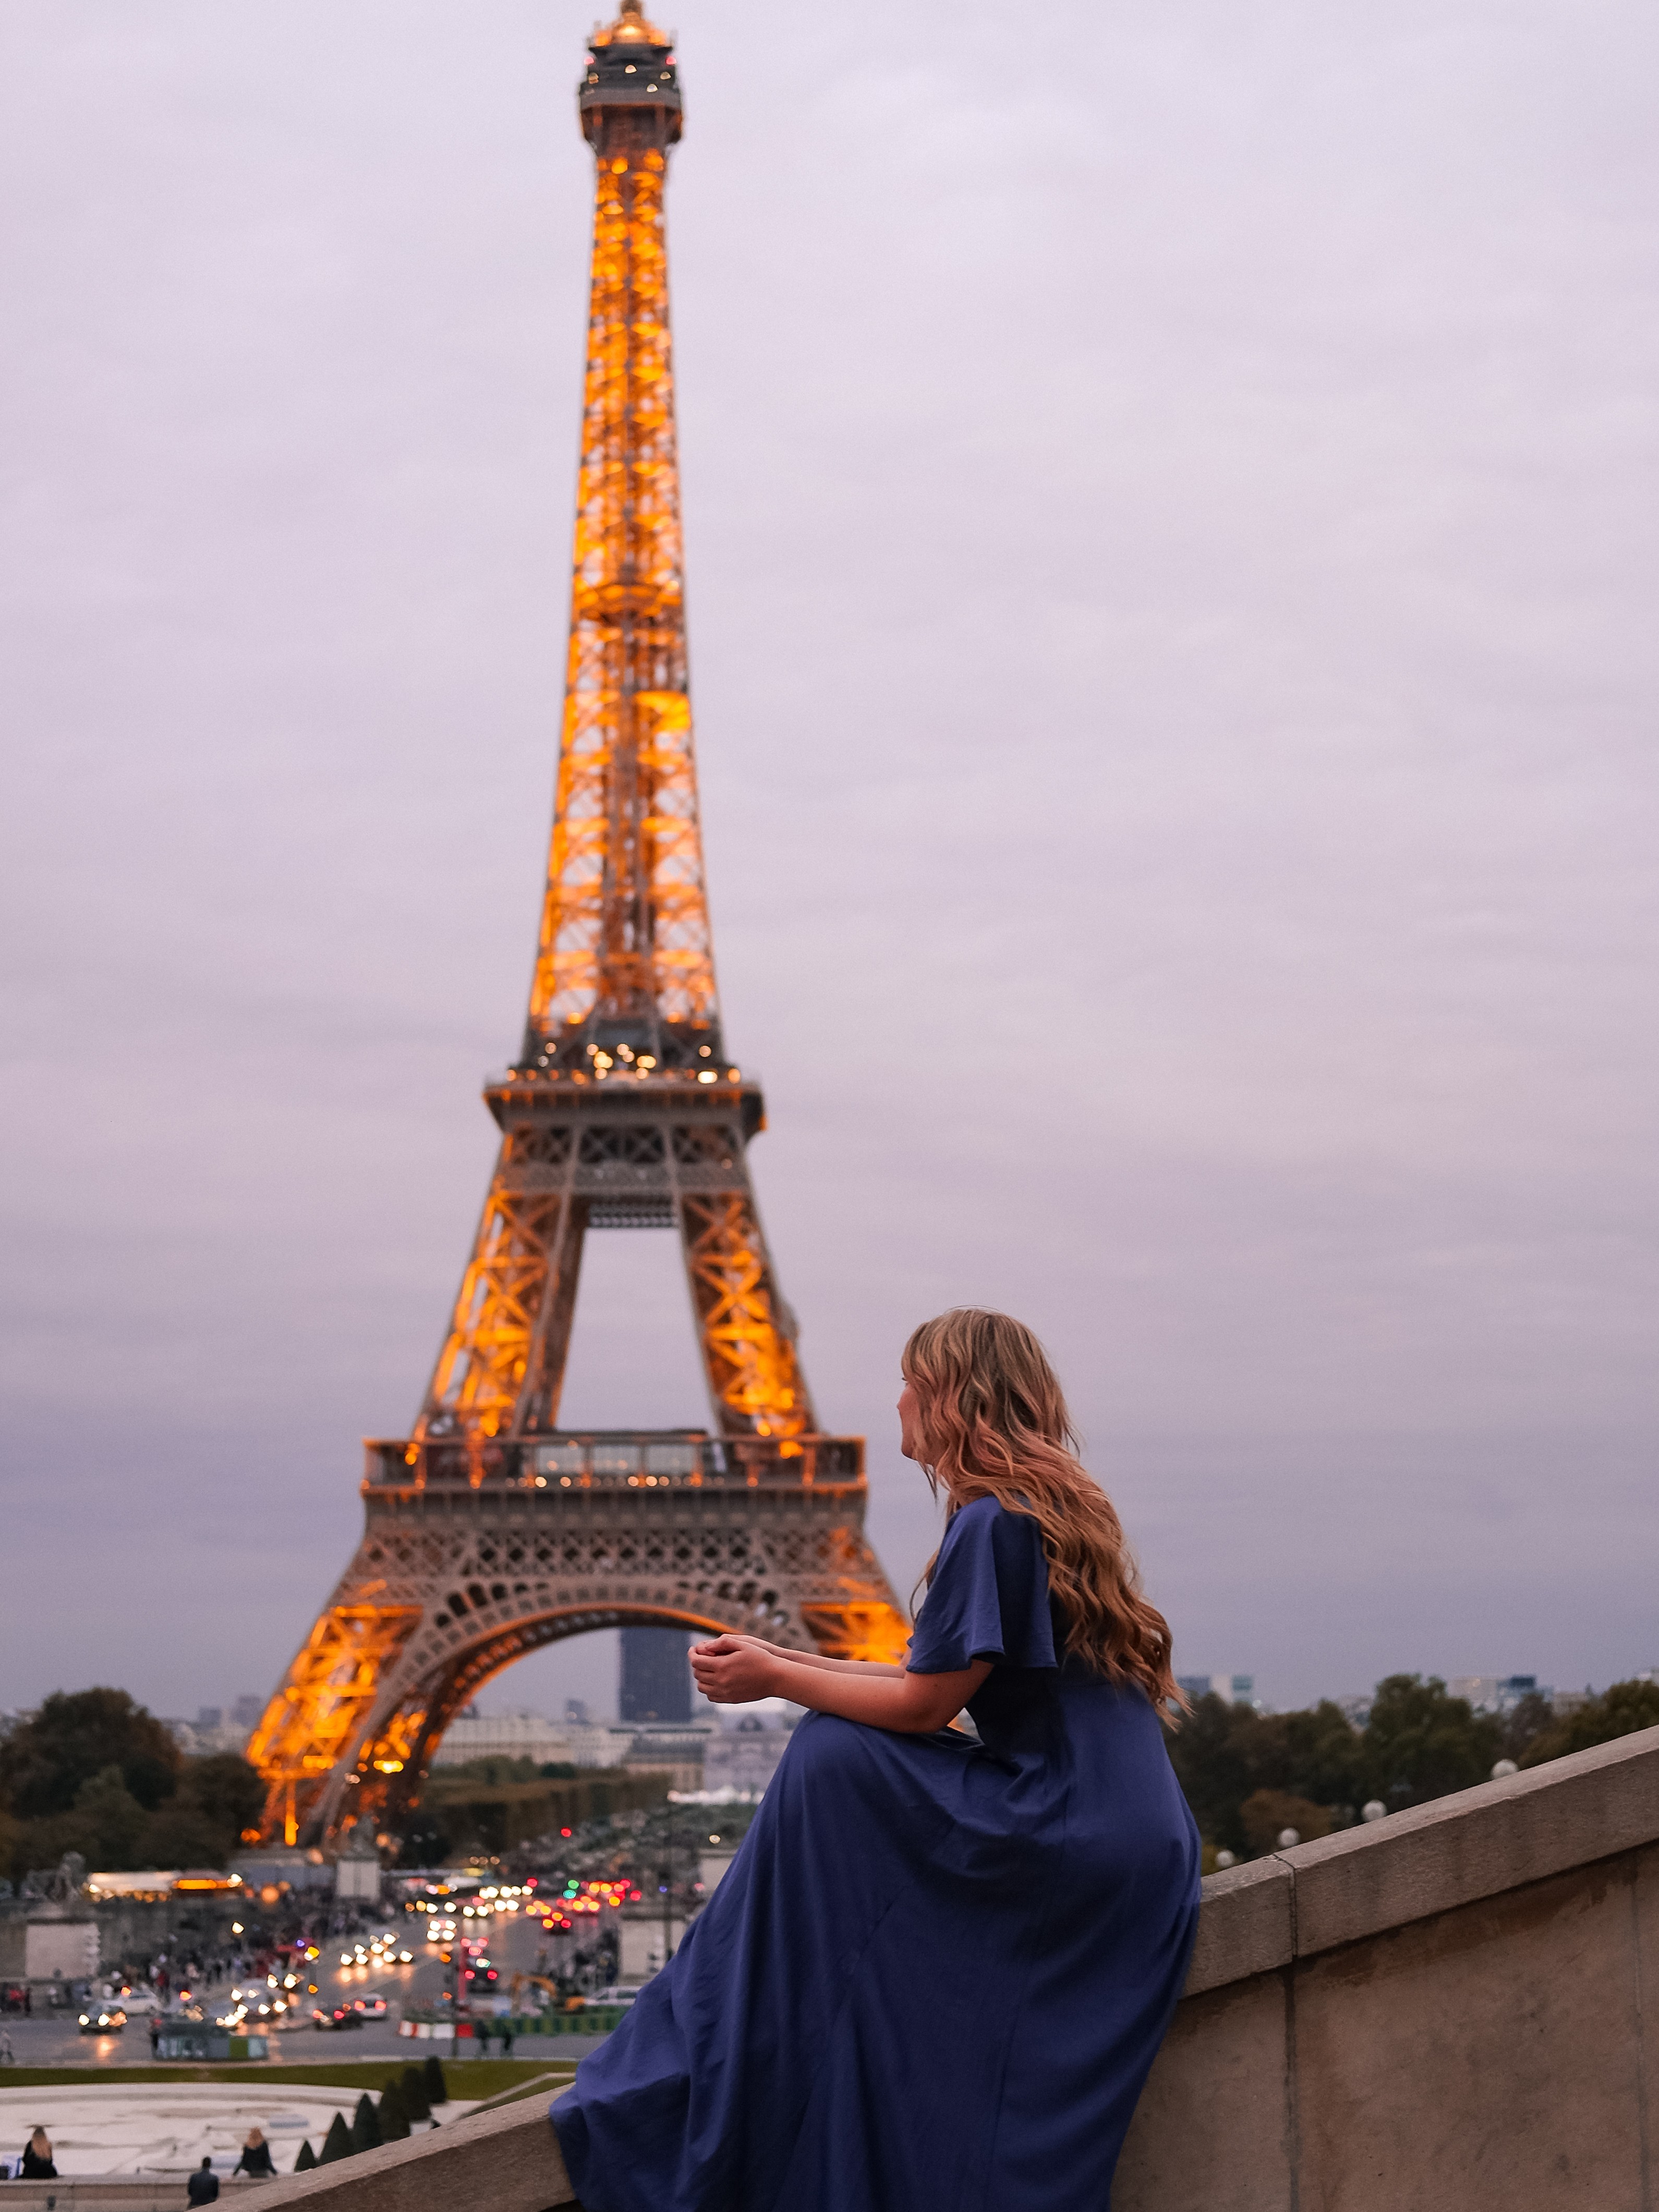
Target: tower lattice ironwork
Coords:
[(490, 1532)]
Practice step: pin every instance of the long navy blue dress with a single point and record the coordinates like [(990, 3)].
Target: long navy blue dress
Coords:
[(937, 1972)]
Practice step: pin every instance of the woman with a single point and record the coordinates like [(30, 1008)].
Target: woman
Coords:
[(37, 2163), (256, 2155), (939, 1969)]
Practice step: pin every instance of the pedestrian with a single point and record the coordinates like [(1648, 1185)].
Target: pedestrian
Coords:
[(202, 2186), (256, 2155), (940, 1965), (37, 2161), (6, 2057), (507, 2039)]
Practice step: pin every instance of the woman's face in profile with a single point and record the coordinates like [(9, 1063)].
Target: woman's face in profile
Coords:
[(911, 1442)]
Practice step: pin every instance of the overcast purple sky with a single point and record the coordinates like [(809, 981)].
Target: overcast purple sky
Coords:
[(1171, 500)]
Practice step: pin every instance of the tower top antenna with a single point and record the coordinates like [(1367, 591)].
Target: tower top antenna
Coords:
[(631, 28), (631, 73)]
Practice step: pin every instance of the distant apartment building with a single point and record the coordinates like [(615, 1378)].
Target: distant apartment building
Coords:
[(1498, 1694), (656, 1677), (1232, 1689), (742, 1756), (216, 1727), (534, 1736)]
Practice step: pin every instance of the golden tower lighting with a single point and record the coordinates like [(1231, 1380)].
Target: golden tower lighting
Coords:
[(489, 1531)]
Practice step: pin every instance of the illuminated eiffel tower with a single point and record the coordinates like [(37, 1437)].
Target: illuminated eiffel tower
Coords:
[(490, 1532)]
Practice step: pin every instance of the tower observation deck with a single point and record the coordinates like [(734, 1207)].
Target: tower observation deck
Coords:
[(489, 1530)]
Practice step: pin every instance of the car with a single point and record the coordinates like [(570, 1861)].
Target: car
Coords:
[(351, 2014), (103, 2019), (135, 2002)]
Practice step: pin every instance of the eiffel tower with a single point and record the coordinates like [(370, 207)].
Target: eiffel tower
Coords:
[(490, 1532)]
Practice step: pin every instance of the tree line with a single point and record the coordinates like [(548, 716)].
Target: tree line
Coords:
[(1248, 1776), (93, 1772)]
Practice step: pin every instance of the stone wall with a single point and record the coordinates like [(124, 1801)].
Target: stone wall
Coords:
[(1442, 2012), (44, 1941)]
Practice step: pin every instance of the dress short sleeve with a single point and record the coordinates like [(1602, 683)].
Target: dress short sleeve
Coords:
[(989, 1595)]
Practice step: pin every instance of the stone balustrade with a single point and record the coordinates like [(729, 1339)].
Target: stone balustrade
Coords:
[(1441, 2013)]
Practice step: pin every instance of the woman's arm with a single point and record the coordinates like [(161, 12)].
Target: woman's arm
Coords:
[(732, 1671), (865, 1666)]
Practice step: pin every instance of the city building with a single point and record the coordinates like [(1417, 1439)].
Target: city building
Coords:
[(568, 1742), (679, 1753), (742, 1756), (1498, 1694), (215, 1729), (656, 1676), (1232, 1689)]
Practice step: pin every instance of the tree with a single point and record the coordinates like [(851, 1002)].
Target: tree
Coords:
[(1420, 1743), (416, 2106), (437, 2089), (110, 1822), (1224, 1755), (180, 1836), (1324, 1759), (1212, 1755), (1618, 1711), (365, 2128), (217, 1798), (46, 1761), (392, 2119), (225, 1791), (306, 2159), (1266, 1814), (13, 1847), (338, 2143), (1522, 1726)]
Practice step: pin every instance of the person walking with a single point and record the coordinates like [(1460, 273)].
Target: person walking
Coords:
[(7, 2056), (36, 2164), (256, 2157), (938, 1969), (202, 2187)]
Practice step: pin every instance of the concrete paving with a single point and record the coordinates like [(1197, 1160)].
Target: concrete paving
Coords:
[(161, 2127)]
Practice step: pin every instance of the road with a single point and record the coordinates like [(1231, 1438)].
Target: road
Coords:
[(513, 1942)]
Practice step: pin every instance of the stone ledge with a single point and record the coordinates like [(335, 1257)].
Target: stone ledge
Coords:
[(1246, 1927), (1455, 1851), (507, 2160)]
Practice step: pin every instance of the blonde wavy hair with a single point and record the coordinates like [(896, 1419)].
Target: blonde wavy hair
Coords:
[(994, 1423)]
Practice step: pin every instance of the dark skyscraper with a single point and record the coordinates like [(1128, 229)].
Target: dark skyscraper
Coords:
[(656, 1679)]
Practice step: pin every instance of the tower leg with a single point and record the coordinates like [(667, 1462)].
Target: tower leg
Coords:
[(745, 1329), (550, 1343)]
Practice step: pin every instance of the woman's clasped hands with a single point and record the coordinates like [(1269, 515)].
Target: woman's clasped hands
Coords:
[(734, 1670)]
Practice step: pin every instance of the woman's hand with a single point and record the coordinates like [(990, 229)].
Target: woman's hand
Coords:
[(734, 1670)]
